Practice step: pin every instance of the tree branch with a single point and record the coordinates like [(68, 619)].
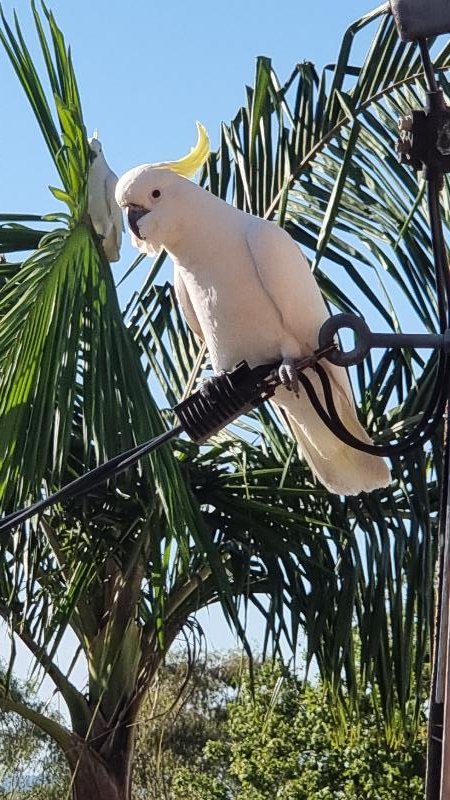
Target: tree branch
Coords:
[(58, 732), (75, 700)]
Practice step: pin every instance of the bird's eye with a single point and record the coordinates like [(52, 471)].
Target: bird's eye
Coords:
[(156, 193)]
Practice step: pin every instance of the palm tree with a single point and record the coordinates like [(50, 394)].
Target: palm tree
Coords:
[(241, 520)]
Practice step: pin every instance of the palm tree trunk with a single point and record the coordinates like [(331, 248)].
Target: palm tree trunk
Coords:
[(106, 776), (91, 782)]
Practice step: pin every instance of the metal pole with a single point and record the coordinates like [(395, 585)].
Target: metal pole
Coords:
[(443, 657), (438, 755), (442, 654), (437, 694)]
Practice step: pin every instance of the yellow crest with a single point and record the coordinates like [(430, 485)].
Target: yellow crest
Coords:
[(188, 165)]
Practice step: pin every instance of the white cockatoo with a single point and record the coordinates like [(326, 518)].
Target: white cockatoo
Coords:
[(105, 214), (247, 290)]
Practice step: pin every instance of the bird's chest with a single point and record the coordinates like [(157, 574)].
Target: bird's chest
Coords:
[(237, 317)]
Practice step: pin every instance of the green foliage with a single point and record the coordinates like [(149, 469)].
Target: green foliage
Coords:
[(211, 734), (239, 519), (68, 146), (185, 709), (295, 745), (32, 767), (279, 739), (73, 393)]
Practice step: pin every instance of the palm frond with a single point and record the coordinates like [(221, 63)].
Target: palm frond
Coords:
[(317, 155), (73, 389)]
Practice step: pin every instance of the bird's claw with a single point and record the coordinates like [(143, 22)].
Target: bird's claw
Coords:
[(288, 376)]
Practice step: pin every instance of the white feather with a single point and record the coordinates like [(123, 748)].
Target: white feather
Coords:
[(105, 213)]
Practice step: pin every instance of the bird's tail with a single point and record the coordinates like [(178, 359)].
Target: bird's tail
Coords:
[(342, 469)]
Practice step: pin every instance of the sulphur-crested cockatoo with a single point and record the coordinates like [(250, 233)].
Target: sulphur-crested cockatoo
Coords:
[(105, 214), (246, 289)]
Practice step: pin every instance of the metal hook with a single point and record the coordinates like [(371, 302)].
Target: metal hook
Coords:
[(366, 339)]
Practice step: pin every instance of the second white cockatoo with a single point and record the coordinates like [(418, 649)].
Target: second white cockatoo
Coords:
[(247, 290), (105, 213)]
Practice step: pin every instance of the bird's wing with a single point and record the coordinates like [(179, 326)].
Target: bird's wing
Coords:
[(114, 209), (185, 303), (286, 276)]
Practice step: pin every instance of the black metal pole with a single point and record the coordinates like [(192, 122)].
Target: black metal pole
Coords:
[(438, 698), (436, 711), (436, 786)]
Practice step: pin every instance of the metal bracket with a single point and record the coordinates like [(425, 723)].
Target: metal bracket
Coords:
[(419, 19), (424, 141), (366, 340), (224, 397)]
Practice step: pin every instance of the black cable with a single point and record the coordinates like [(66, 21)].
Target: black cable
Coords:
[(413, 440), (431, 418), (91, 479)]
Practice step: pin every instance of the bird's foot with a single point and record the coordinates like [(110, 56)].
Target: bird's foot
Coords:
[(211, 384), (288, 375)]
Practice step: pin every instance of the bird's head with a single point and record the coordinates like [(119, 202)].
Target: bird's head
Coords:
[(150, 193), (95, 147)]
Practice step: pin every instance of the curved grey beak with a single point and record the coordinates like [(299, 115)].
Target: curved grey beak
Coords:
[(134, 213)]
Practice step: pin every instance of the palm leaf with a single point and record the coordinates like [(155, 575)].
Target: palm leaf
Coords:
[(317, 154), (73, 389), (314, 154)]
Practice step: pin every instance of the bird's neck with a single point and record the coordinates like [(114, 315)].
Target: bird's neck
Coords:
[(203, 228)]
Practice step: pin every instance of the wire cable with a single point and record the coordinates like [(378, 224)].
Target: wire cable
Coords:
[(91, 479)]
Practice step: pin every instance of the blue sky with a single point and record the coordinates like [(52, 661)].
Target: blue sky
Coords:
[(146, 72)]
